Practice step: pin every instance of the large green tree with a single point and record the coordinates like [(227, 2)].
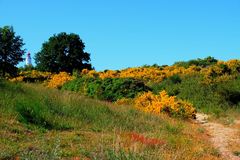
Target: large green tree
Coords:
[(11, 51), (63, 52)]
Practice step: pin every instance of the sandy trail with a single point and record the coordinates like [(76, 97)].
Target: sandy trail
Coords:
[(221, 136)]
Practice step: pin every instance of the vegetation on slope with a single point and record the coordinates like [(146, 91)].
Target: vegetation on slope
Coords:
[(212, 86), (41, 123), (217, 98)]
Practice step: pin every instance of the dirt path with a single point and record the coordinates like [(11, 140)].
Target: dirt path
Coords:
[(221, 136)]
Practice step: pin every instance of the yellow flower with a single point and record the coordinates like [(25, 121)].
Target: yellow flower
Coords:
[(59, 79), (148, 102)]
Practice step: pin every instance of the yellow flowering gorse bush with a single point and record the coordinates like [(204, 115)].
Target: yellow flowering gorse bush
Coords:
[(147, 74), (211, 74), (163, 103), (32, 75), (59, 79), (222, 71)]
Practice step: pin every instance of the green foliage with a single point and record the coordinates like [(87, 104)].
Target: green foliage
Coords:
[(175, 79), (170, 81), (63, 52), (11, 51), (197, 62), (215, 98), (110, 89), (81, 84)]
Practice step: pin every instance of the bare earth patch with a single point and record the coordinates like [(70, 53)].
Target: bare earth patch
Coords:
[(222, 137)]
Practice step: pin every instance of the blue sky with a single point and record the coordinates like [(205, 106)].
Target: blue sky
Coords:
[(127, 33)]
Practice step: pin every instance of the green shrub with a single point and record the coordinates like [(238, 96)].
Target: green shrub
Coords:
[(93, 87), (175, 79), (208, 61), (74, 85), (168, 84), (110, 89)]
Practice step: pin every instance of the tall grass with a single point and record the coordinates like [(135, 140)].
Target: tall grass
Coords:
[(41, 123), (60, 110)]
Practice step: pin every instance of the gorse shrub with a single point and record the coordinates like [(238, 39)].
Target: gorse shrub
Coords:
[(32, 76), (147, 74), (164, 103), (221, 72), (59, 79)]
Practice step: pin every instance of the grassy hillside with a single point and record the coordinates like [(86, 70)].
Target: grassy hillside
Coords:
[(122, 114), (212, 86), (41, 123)]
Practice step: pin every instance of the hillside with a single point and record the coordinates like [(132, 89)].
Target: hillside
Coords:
[(143, 112), (41, 123)]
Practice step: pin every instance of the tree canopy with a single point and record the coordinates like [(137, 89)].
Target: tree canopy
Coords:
[(63, 52), (11, 51)]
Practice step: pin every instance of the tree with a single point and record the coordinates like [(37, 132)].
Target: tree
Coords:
[(63, 52), (11, 51)]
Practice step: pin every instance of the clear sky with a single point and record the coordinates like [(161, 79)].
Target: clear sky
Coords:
[(128, 33)]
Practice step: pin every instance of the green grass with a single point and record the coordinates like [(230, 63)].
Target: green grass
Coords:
[(41, 123)]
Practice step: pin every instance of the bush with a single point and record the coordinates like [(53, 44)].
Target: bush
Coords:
[(113, 89), (208, 61), (58, 80), (75, 84), (169, 84), (110, 89), (31, 76), (163, 103)]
